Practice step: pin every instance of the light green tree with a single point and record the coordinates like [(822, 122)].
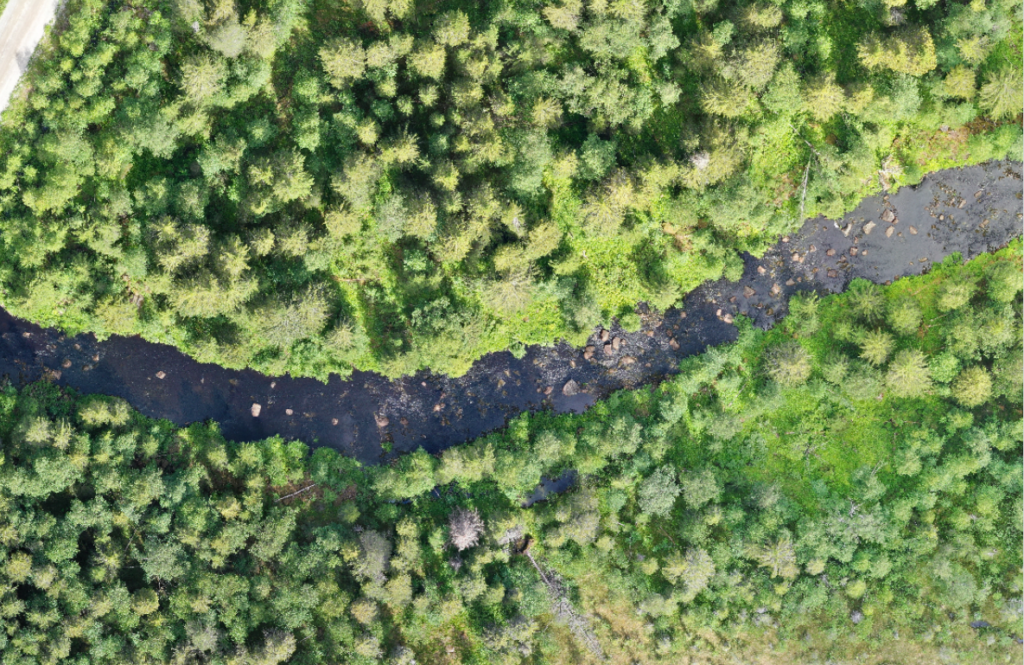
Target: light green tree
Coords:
[(1002, 93), (692, 572), (344, 60), (907, 51), (202, 78), (908, 374), (904, 315), (789, 364), (973, 386), (954, 294), (959, 82), (657, 493), (876, 345), (823, 97), (1004, 280)]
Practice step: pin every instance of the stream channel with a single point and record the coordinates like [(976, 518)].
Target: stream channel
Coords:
[(970, 210)]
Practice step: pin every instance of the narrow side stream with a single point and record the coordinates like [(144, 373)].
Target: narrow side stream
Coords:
[(971, 210)]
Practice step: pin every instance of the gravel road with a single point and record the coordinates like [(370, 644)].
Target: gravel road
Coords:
[(21, 29)]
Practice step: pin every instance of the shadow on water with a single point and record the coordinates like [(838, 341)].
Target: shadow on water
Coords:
[(971, 210), (549, 487)]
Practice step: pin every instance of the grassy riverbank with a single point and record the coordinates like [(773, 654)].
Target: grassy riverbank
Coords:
[(310, 187), (843, 488)]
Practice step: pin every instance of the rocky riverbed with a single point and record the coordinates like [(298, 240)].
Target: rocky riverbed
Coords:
[(971, 211)]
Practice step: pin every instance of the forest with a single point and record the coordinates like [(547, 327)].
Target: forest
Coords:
[(845, 488), (315, 186)]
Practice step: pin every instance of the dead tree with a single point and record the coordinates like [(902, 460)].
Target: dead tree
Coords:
[(465, 527), (565, 613)]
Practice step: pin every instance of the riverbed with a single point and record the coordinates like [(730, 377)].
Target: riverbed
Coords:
[(971, 211)]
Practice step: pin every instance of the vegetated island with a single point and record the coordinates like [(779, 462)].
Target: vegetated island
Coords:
[(311, 187)]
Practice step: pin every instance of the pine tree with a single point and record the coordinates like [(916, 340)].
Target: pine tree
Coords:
[(954, 294), (908, 374), (973, 386), (823, 97), (428, 61), (451, 28), (875, 346), (789, 364), (657, 493), (692, 572), (1002, 93), (907, 51), (344, 60), (779, 558), (728, 99), (959, 82), (564, 16), (756, 64), (202, 78), (1004, 281), (904, 315)]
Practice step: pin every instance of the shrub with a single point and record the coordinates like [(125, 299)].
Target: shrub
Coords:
[(630, 322)]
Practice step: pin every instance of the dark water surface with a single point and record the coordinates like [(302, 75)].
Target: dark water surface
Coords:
[(971, 210)]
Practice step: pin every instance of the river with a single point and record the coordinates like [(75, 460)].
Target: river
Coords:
[(970, 210)]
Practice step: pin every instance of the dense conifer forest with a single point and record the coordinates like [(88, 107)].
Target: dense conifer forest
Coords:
[(313, 186), (846, 488), (317, 186)]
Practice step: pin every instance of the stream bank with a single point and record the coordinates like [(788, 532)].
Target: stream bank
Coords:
[(971, 211)]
